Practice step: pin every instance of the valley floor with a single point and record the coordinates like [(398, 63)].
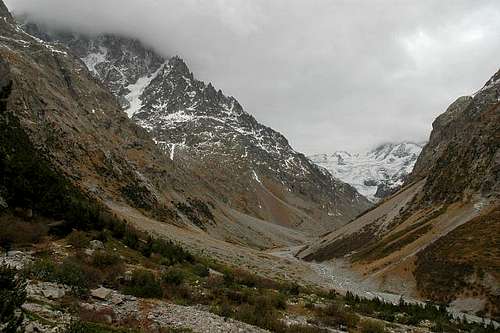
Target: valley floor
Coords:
[(336, 274), (278, 263)]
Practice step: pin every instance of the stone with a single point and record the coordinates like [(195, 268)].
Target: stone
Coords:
[(47, 289), (53, 292), (33, 327), (16, 259), (116, 299), (101, 293), (214, 273), (96, 245), (87, 306)]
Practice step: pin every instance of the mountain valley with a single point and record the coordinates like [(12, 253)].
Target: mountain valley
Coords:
[(136, 198)]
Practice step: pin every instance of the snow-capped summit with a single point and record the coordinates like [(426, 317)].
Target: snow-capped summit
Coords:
[(375, 173)]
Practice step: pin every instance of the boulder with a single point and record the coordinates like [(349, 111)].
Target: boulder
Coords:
[(16, 259), (53, 292), (96, 245), (101, 293), (47, 290), (116, 299)]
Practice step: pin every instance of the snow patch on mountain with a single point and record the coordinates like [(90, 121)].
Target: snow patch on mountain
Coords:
[(375, 173), (94, 59), (136, 91)]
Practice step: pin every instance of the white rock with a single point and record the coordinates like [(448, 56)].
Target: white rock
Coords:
[(214, 273), (101, 293), (116, 299)]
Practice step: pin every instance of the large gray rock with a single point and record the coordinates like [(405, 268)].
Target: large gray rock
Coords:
[(47, 290), (96, 245), (16, 259), (101, 293)]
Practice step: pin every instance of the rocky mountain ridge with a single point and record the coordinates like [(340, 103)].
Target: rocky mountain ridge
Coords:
[(376, 173), (252, 167)]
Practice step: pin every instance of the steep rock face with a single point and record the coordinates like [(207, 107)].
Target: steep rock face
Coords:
[(448, 206), (250, 166), (463, 158), (377, 173), (195, 122)]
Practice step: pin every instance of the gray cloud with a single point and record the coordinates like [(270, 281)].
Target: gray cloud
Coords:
[(329, 74)]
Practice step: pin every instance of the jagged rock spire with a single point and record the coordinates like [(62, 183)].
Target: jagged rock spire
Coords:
[(178, 65)]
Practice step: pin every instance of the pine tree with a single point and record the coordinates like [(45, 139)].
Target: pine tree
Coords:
[(12, 296)]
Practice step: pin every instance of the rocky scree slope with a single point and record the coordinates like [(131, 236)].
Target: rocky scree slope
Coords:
[(377, 173), (251, 167), (438, 236)]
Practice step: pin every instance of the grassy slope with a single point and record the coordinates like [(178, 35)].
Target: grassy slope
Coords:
[(466, 262)]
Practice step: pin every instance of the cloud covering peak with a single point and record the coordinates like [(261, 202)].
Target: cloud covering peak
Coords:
[(329, 74)]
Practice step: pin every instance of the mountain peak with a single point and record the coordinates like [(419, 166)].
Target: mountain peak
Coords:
[(376, 173), (179, 65)]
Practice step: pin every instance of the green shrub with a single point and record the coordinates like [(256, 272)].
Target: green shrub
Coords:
[(78, 239), (118, 228), (144, 284), (104, 235), (335, 315), (372, 326), (292, 289), (228, 277), (12, 296), (131, 238), (181, 294), (71, 272), (171, 253), (200, 270), (103, 259), (43, 269), (174, 276), (18, 232)]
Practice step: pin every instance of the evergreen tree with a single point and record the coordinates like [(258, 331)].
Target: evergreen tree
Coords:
[(12, 296)]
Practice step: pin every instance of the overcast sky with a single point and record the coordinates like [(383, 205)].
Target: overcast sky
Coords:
[(329, 74)]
